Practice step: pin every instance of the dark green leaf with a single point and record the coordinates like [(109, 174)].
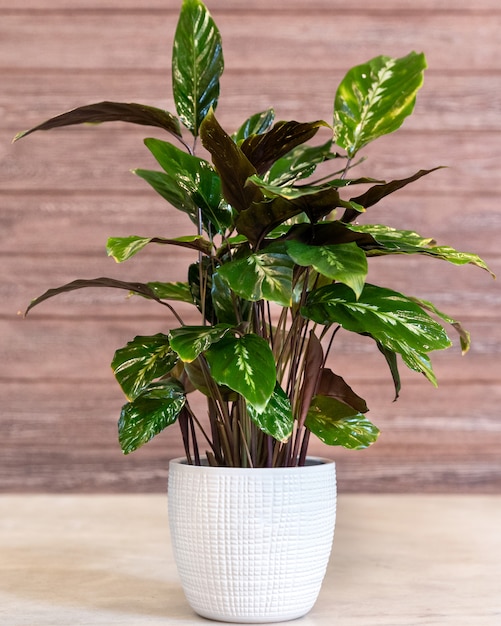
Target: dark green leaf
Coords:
[(153, 410), (373, 99), (256, 124), (190, 184), (190, 341), (141, 361), (111, 112), (392, 319), (345, 263), (276, 419), (197, 64), (391, 360), (246, 365), (200, 281), (337, 424), (262, 276)]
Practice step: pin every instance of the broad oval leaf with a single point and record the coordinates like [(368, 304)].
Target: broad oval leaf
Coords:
[(390, 318), (374, 98), (197, 64), (123, 248), (190, 341), (147, 415), (337, 424), (276, 419), (263, 276), (246, 365), (345, 263), (141, 361)]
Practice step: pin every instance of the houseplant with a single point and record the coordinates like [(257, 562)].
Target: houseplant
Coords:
[(279, 265)]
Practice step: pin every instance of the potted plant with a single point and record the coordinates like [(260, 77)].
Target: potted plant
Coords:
[(280, 257)]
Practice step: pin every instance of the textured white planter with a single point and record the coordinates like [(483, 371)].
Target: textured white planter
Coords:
[(252, 545)]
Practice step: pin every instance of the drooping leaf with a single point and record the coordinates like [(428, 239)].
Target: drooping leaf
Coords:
[(261, 276), (389, 240), (190, 341), (276, 419), (334, 386), (345, 263), (374, 98), (197, 64), (264, 149), (255, 125), (149, 413), (389, 317), (464, 335), (338, 424), (123, 248), (246, 365), (172, 291), (141, 361), (376, 193), (111, 112), (391, 360), (232, 165), (138, 288)]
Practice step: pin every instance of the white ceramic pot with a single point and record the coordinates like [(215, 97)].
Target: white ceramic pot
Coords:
[(252, 545)]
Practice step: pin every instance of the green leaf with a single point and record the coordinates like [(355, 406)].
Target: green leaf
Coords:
[(246, 365), (153, 410), (197, 64), (262, 276), (172, 291), (374, 98), (298, 164), (111, 112), (190, 341), (345, 263), (141, 361), (276, 419), (389, 317), (123, 248), (190, 183), (464, 335), (392, 241), (255, 125), (337, 424)]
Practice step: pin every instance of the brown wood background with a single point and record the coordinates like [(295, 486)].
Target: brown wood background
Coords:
[(63, 193)]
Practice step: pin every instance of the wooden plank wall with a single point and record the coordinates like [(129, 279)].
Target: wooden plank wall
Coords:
[(63, 193)]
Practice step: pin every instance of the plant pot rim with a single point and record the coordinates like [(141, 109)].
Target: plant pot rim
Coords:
[(313, 464)]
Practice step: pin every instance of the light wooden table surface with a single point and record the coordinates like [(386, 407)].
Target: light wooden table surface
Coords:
[(100, 560)]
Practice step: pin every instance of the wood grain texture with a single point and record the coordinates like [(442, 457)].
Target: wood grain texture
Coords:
[(63, 193)]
